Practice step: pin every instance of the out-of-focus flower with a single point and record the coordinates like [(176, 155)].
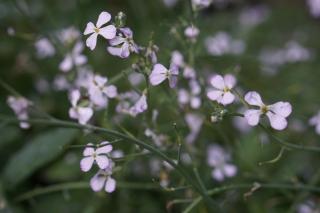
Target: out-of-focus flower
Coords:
[(151, 53), (127, 99), (123, 44), (104, 180), (218, 158), (108, 32), (68, 35), (74, 58), (200, 4), (44, 48), (315, 121), (20, 107), (161, 73), (193, 97), (177, 59), (189, 72), (98, 155), (253, 16), (81, 113), (60, 83), (194, 122), (140, 106), (222, 43), (221, 91), (277, 113), (314, 7), (170, 3), (191, 32), (308, 206), (99, 91), (135, 78), (158, 139)]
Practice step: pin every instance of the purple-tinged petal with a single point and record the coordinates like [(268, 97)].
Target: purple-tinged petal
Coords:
[(281, 108), (252, 116), (214, 94), (110, 185), (158, 74), (104, 149), (253, 98), (217, 82), (277, 122), (97, 182), (86, 163), (108, 32), (102, 161), (230, 81), (104, 18), (227, 98), (89, 28), (91, 42)]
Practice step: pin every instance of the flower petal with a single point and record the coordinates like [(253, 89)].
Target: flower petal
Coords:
[(230, 81), (158, 74), (89, 150), (104, 17), (230, 170), (253, 98), (97, 182), (104, 149), (110, 91), (125, 52), (108, 32), (86, 163), (91, 42), (116, 41), (85, 113), (102, 161), (252, 116), (89, 28), (281, 108), (66, 64), (217, 174), (110, 185), (227, 98), (217, 82), (214, 94), (277, 122), (115, 51)]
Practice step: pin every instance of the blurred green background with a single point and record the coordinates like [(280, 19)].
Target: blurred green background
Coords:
[(38, 158)]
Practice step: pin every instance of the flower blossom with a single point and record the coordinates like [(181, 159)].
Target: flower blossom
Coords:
[(108, 32), (161, 73), (104, 180), (218, 158), (44, 48), (277, 113), (221, 91), (315, 121), (83, 114), (193, 97), (191, 32), (20, 107), (131, 103), (74, 58), (99, 91), (98, 155), (194, 122), (123, 44)]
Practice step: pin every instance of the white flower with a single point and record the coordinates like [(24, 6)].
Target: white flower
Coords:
[(99, 91), (201, 3), (20, 107), (217, 158), (177, 59), (44, 48), (315, 121), (74, 58), (98, 155), (123, 44), (160, 73), (104, 180), (108, 32), (277, 113), (83, 114), (222, 89)]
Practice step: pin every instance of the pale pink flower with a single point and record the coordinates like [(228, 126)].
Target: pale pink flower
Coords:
[(82, 114), (218, 159), (277, 113), (314, 7), (222, 87), (98, 156), (99, 91), (20, 107), (177, 59), (108, 32), (161, 73), (315, 121), (191, 32), (103, 180), (44, 48), (189, 72), (140, 106), (73, 58), (123, 44), (193, 97), (131, 103)]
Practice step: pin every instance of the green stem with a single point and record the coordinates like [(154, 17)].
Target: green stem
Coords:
[(79, 185), (249, 186)]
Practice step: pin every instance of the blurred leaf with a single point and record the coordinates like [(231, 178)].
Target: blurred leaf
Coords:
[(35, 154)]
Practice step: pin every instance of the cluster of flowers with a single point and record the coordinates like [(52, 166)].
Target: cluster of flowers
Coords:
[(99, 156)]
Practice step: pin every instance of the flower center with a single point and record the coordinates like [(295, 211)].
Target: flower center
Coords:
[(264, 109), (97, 30), (226, 89)]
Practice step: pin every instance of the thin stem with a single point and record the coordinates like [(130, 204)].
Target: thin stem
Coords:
[(249, 186), (79, 185), (179, 168)]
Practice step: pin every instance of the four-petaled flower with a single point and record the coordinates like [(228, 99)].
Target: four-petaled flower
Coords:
[(222, 89), (108, 32), (98, 155), (104, 180), (123, 44), (161, 73), (83, 114), (277, 113)]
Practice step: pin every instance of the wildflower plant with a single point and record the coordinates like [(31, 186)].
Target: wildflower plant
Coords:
[(173, 109)]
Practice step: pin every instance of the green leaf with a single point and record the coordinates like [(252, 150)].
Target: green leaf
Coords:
[(39, 151)]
